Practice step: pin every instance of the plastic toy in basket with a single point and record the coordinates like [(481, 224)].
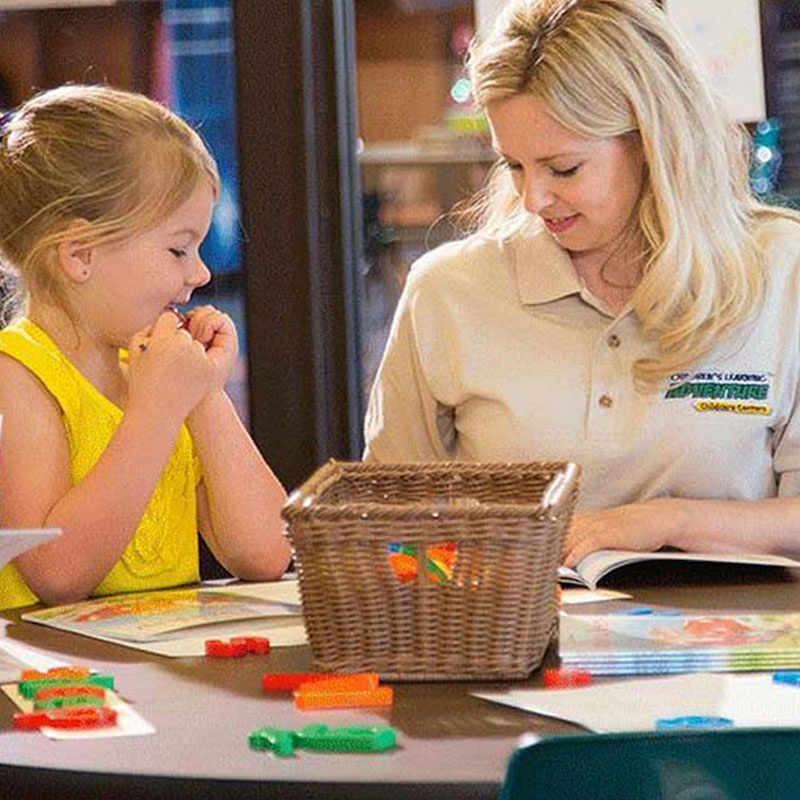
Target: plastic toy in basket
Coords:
[(439, 562)]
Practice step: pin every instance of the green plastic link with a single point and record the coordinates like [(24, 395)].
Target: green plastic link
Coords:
[(68, 702), (280, 740), (29, 688), (346, 739), (342, 739)]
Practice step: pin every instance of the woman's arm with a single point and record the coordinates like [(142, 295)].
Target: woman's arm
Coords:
[(240, 499), (404, 421), (771, 525)]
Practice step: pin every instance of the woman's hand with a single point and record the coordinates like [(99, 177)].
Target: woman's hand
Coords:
[(645, 526), (217, 333)]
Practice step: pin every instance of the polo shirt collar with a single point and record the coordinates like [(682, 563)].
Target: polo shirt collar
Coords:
[(543, 269)]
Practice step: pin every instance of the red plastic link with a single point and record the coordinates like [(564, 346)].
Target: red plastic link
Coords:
[(237, 647), (80, 717), (289, 681), (255, 644), (565, 677)]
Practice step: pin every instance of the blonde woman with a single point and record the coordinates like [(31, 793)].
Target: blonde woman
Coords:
[(105, 198), (625, 303)]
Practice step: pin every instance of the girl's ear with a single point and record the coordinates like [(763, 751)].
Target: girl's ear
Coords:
[(74, 255)]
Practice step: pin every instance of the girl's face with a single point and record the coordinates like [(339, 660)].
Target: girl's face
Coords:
[(134, 280), (585, 190)]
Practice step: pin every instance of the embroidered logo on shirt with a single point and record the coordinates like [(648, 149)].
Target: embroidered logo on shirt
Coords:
[(736, 408), (722, 391)]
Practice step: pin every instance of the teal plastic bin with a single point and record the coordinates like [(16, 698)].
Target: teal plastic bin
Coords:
[(737, 764)]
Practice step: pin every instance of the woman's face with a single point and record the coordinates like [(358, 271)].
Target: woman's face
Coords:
[(585, 190)]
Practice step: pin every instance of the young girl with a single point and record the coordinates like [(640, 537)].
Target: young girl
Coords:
[(105, 198)]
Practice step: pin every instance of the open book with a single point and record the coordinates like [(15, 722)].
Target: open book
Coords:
[(591, 569), (162, 613)]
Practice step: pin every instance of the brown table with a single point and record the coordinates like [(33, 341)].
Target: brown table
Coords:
[(451, 745)]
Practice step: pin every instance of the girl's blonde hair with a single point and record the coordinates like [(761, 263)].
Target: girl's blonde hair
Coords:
[(114, 159), (606, 68)]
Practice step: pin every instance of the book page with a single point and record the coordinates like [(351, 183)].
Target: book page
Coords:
[(621, 644), (144, 616), (597, 565), (15, 542)]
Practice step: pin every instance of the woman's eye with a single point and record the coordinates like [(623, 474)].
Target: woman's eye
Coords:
[(565, 173), (177, 252), (512, 166)]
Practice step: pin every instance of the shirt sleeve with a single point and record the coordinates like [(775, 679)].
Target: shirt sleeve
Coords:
[(786, 457), (404, 420)]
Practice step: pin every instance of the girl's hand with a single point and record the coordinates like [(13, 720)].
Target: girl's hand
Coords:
[(217, 333), (169, 371), (645, 526)]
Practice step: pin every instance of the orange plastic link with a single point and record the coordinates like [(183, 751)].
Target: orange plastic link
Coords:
[(314, 698), (69, 691), (357, 682), (55, 672)]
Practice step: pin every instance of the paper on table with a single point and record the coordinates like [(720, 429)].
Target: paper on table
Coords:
[(14, 542), (283, 629), (286, 632), (129, 723), (635, 705), (571, 597), (283, 591), (14, 657)]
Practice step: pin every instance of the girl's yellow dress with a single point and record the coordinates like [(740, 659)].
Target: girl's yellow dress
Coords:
[(163, 551)]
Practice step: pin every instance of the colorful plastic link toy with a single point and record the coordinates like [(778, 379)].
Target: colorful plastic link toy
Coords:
[(440, 562), (67, 718), (346, 739), (237, 647)]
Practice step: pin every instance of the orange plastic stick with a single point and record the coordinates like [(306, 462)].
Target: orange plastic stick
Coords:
[(55, 672), (69, 691), (357, 682), (312, 697)]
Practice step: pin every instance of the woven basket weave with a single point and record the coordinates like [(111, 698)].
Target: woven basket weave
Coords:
[(493, 613)]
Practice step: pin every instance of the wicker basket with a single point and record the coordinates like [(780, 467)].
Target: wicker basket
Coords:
[(488, 613)]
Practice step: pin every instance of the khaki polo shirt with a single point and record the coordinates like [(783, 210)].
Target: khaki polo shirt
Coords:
[(498, 352)]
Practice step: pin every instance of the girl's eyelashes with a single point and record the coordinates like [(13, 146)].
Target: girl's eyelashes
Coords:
[(177, 252), (565, 173)]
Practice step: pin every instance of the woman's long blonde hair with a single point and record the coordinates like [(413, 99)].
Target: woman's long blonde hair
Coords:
[(610, 67), (114, 159)]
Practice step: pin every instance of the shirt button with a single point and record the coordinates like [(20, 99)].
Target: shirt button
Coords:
[(605, 401), (614, 340)]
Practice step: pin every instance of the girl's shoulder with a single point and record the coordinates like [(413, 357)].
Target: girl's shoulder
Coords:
[(30, 357), (23, 394)]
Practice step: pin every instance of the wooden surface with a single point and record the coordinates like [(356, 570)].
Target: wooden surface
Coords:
[(450, 744)]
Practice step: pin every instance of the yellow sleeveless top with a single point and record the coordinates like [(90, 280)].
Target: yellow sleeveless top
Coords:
[(163, 551)]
